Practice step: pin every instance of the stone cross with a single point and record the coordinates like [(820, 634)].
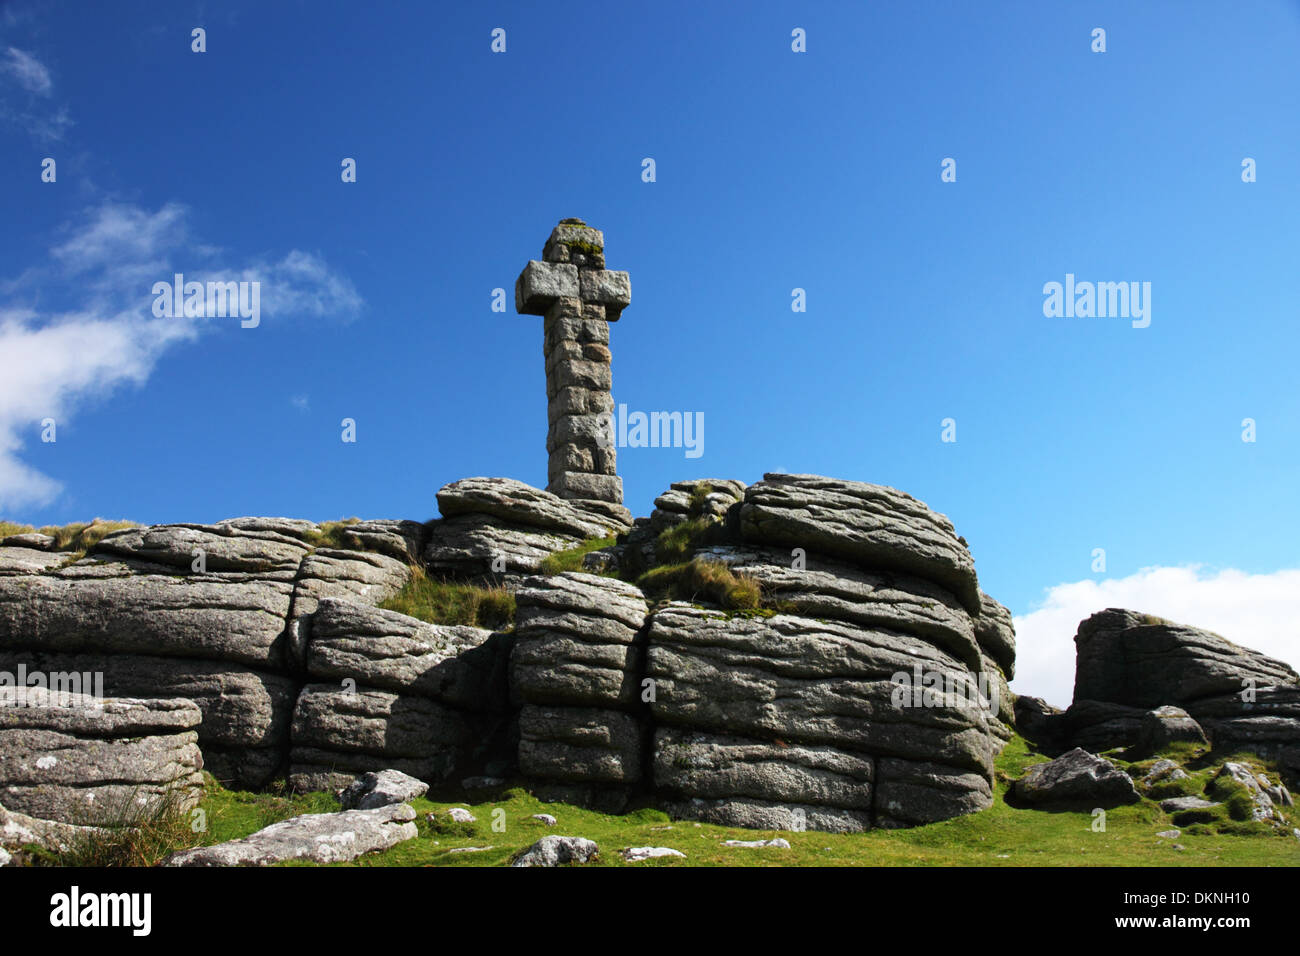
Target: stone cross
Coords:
[(579, 297)]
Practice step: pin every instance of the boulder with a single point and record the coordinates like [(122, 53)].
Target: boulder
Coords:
[(1124, 657), (557, 851), (381, 789), (77, 759), (637, 854), (315, 837), (1076, 778), (1165, 726), (15, 560)]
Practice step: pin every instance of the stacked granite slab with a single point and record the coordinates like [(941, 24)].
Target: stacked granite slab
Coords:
[(82, 760), (215, 614), (388, 691), (500, 529), (793, 717), (575, 673), (578, 298), (796, 719)]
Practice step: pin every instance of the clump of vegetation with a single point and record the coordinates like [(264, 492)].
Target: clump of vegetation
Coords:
[(82, 537), (442, 601), (571, 560), (701, 580), (8, 528), (131, 834), (331, 534)]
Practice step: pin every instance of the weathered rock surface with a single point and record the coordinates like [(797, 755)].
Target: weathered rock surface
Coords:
[(460, 666), (17, 831), (833, 681), (520, 504), (1129, 663), (1076, 777), (318, 837), (1129, 658), (577, 641), (75, 759), (382, 789), (338, 732), (1165, 726), (244, 733), (557, 851), (871, 525), (25, 560)]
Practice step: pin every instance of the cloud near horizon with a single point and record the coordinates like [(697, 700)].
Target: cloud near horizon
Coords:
[(105, 335), (1259, 611)]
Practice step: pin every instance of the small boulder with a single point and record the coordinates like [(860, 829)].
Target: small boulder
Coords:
[(545, 818), (557, 851), (635, 854), (1165, 726), (1076, 777), (381, 789), (461, 815), (317, 837), (777, 844)]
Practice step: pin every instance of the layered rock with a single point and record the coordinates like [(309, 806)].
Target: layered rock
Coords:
[(575, 670), (1132, 666), (871, 525), (502, 527), (218, 614), (82, 760), (390, 691)]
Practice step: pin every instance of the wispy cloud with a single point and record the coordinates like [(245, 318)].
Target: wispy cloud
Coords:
[(30, 72), (104, 335), (1260, 611), (300, 402), (26, 96)]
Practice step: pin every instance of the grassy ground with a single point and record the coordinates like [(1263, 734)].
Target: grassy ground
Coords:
[(442, 601), (1000, 836)]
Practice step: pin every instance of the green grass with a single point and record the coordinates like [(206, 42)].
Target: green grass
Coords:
[(571, 560), (441, 601), (999, 836)]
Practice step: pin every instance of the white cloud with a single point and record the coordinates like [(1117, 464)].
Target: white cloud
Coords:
[(106, 336), (1259, 611), (26, 97), (300, 402), (30, 72)]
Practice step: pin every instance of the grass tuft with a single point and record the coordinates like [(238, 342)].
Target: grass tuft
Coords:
[(442, 601), (571, 560), (697, 580)]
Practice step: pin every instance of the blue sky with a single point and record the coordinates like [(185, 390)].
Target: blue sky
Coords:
[(775, 170)]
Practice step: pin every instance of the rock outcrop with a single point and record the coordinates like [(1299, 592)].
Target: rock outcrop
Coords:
[(867, 689), (81, 760), (1143, 682)]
